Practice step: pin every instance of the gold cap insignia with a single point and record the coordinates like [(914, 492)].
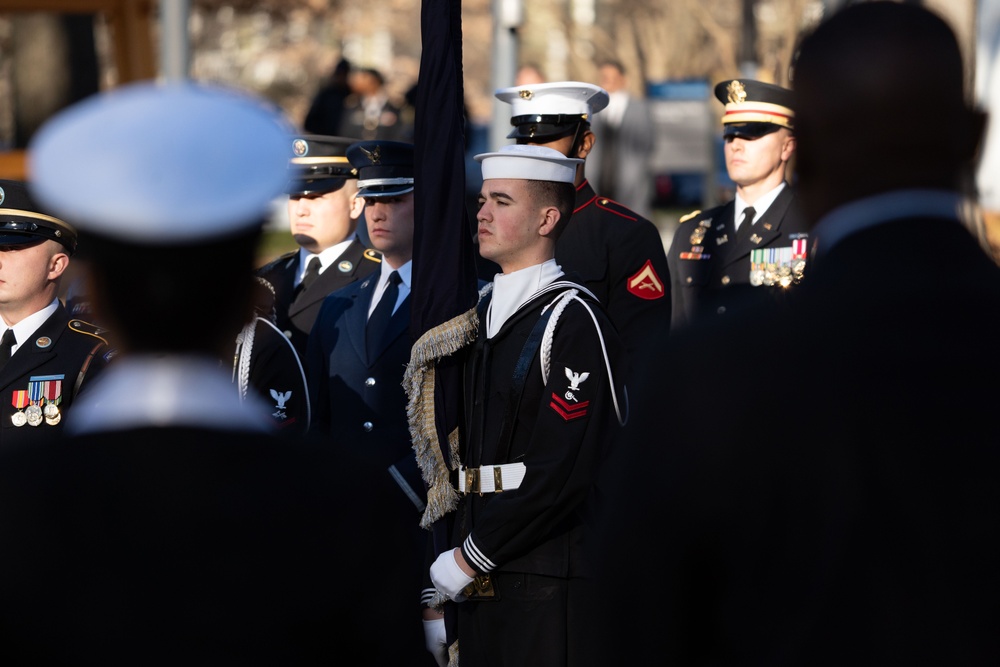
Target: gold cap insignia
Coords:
[(737, 94), (300, 147), (526, 94), (374, 155)]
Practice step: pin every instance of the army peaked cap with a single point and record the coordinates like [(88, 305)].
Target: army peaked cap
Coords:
[(23, 222), (754, 108), (319, 164)]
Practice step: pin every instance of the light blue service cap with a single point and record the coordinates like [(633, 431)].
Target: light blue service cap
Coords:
[(162, 164)]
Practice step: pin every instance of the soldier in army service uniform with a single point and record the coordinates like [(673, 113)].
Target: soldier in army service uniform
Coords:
[(46, 357), (323, 212), (760, 238)]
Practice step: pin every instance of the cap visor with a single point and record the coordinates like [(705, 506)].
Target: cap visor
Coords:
[(541, 131), (20, 240), (376, 191), (315, 186), (749, 130)]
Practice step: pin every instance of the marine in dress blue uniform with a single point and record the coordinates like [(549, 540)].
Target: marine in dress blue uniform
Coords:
[(55, 355), (713, 268), (318, 167), (617, 253)]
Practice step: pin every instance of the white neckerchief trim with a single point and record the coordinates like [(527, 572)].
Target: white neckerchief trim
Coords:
[(759, 207), (26, 328), (861, 214), (405, 273), (148, 390), (513, 290)]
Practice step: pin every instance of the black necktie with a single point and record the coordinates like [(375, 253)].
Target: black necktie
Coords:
[(7, 343), (312, 272), (379, 320), (747, 225)]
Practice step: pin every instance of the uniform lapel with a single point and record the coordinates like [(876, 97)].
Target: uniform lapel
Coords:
[(339, 274), (37, 350), (398, 324), (767, 228), (357, 317)]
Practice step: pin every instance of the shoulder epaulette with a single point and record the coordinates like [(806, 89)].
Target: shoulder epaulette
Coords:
[(685, 218), (617, 208), (373, 255), (82, 327)]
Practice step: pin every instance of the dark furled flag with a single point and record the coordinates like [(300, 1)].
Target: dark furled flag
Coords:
[(444, 283)]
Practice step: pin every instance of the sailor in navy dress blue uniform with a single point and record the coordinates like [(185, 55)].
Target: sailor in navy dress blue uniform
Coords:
[(718, 261), (47, 356), (543, 402)]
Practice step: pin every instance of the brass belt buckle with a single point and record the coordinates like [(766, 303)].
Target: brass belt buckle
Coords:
[(497, 479), (481, 587), (472, 480)]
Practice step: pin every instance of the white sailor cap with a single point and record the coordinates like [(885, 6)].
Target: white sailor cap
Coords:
[(527, 162), (162, 164), (551, 109)]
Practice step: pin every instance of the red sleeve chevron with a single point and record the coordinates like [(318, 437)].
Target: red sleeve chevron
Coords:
[(568, 411)]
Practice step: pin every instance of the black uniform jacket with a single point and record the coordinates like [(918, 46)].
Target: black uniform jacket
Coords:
[(357, 394), (296, 310), (170, 545), (710, 270), (265, 362), (619, 256), (62, 357), (560, 430)]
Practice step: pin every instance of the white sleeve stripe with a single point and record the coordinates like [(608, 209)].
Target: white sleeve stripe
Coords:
[(479, 560)]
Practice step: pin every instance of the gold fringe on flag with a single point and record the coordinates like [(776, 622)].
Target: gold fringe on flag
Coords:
[(419, 383)]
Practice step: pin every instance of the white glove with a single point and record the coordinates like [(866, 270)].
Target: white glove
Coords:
[(448, 577), (437, 643)]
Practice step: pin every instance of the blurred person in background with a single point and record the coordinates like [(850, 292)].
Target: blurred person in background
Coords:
[(619, 163), (826, 472), (370, 112)]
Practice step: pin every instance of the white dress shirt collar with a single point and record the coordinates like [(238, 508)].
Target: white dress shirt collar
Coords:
[(326, 257), (26, 328), (760, 206)]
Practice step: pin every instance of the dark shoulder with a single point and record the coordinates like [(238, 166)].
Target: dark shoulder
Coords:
[(341, 299), (609, 207), (277, 264)]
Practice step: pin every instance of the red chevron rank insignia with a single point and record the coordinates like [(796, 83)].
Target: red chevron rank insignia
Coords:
[(646, 284), (568, 411)]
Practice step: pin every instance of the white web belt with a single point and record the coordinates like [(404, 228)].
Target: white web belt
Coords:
[(490, 479)]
